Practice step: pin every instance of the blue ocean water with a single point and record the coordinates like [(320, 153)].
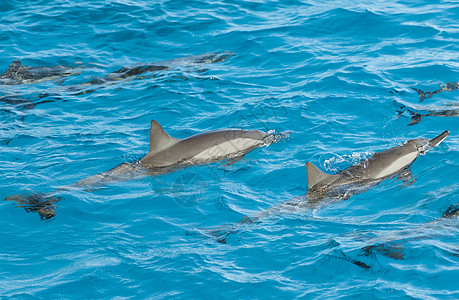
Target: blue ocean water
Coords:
[(338, 74)]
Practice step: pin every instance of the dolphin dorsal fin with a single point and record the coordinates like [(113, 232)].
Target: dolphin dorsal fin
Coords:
[(315, 175), (159, 139), (13, 68), (15, 63)]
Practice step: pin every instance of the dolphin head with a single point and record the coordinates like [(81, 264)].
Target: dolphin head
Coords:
[(423, 145)]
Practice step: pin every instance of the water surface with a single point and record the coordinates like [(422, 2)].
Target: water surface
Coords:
[(338, 74)]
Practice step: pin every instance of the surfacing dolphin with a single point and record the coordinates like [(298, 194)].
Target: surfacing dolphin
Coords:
[(324, 188), (166, 154), (18, 73), (380, 166)]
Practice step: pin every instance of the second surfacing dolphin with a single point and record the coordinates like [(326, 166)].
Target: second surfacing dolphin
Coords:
[(380, 166), (324, 188), (166, 151), (166, 154)]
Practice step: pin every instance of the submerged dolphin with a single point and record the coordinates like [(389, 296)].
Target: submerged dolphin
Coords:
[(394, 247), (166, 154), (451, 111), (20, 102), (447, 87), (189, 61), (416, 115), (346, 183), (24, 102), (18, 73), (394, 242)]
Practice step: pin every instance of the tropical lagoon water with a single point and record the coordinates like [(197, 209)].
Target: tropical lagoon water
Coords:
[(346, 78)]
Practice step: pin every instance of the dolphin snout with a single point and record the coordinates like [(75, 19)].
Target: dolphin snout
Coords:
[(437, 140), (424, 145)]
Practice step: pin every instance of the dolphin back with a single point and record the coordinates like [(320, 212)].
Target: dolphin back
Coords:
[(166, 151)]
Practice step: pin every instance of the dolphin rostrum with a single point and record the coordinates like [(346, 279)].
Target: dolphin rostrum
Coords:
[(166, 154), (346, 183)]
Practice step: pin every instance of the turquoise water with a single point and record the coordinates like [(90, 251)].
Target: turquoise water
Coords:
[(337, 74)]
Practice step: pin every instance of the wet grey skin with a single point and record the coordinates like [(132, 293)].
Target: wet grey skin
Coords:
[(166, 151), (447, 87), (166, 154), (324, 188), (18, 73)]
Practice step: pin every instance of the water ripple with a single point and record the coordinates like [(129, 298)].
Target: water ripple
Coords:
[(345, 78)]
